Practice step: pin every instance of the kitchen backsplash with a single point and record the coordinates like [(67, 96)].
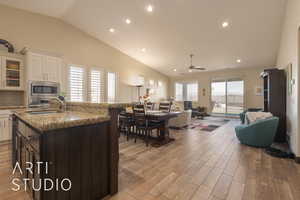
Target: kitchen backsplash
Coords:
[(11, 98)]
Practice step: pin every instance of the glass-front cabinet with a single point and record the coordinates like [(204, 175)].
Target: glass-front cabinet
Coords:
[(11, 73)]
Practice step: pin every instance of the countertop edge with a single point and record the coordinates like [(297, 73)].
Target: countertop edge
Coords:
[(47, 127)]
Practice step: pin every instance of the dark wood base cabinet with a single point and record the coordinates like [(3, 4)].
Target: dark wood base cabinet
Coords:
[(80, 154)]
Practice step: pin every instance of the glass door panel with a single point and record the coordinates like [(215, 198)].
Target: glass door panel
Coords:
[(227, 97), (13, 73), (235, 97), (218, 97)]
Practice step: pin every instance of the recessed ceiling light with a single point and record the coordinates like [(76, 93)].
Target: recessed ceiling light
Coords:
[(174, 70), (238, 60), (149, 8), (225, 24), (128, 21), (143, 50), (111, 30)]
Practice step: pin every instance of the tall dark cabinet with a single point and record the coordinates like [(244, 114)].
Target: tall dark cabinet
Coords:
[(275, 98)]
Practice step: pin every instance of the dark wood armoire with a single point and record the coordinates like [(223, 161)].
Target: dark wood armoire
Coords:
[(275, 98)]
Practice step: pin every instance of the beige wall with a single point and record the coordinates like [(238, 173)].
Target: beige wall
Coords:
[(251, 81), (43, 33), (289, 53)]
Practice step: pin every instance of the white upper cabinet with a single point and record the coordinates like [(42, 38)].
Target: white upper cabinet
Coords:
[(43, 67), (52, 69), (12, 77), (35, 67)]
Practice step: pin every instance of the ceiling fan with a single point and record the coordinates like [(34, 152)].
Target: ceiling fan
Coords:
[(192, 67)]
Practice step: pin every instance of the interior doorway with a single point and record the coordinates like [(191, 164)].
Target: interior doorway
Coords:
[(227, 96)]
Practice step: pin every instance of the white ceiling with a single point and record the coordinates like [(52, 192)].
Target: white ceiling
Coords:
[(177, 28)]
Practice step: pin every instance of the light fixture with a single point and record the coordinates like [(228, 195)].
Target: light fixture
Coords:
[(143, 50), (111, 30), (238, 60), (190, 70), (225, 24), (128, 21), (149, 8), (174, 70)]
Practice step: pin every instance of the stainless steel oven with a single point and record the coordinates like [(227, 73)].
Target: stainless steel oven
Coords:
[(40, 92)]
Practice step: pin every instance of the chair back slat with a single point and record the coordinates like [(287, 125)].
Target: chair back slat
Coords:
[(165, 106), (150, 106), (139, 115)]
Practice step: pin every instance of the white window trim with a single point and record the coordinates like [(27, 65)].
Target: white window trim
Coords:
[(175, 95), (184, 88), (116, 86)]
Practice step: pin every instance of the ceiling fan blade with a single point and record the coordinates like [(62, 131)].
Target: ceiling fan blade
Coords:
[(194, 67), (199, 68)]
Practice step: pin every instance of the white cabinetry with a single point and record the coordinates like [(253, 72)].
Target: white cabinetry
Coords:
[(52, 69), (5, 126), (43, 67), (35, 67)]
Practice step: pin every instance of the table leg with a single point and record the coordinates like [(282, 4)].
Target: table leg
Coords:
[(164, 136)]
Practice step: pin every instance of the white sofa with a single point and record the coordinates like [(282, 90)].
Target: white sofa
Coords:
[(182, 120)]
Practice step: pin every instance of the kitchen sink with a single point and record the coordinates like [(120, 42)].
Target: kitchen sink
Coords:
[(42, 112)]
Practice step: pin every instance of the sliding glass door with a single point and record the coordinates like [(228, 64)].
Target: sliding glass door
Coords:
[(218, 97), (227, 96), (235, 96)]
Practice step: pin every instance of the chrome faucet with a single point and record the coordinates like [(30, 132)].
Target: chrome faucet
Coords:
[(62, 106)]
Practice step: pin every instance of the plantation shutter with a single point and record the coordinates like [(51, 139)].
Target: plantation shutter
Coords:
[(76, 84), (96, 86)]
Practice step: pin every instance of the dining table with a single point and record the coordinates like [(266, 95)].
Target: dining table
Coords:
[(162, 117)]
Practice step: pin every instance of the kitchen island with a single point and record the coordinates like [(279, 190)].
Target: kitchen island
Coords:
[(76, 147)]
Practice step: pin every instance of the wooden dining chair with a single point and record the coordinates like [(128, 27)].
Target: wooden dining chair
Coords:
[(126, 124), (150, 105), (165, 106), (143, 126)]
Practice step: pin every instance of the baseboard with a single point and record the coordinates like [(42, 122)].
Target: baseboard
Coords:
[(297, 160)]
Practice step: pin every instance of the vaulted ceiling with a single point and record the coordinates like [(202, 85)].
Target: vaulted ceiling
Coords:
[(164, 38)]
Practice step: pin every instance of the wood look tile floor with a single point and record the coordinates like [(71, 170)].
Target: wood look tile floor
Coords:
[(197, 166)]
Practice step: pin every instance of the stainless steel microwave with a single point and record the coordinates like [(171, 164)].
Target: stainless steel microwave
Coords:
[(44, 88), (40, 92)]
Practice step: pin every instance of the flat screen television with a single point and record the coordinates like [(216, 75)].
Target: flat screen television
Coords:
[(188, 105)]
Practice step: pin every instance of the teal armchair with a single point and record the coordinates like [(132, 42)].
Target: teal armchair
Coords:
[(258, 134)]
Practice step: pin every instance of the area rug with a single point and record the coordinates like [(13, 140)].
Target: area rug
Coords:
[(208, 124)]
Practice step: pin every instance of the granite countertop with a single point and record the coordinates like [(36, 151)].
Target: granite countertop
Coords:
[(12, 107), (53, 121)]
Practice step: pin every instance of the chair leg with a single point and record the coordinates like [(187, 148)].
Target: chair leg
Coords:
[(135, 135), (147, 137), (128, 132)]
